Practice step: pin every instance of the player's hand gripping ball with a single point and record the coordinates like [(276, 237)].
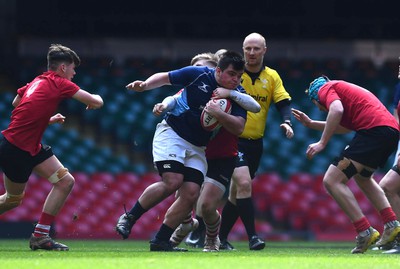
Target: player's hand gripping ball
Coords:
[(209, 122)]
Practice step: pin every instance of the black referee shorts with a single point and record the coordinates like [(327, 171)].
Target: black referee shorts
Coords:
[(249, 154)]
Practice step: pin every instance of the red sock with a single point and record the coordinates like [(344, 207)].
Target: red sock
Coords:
[(188, 219), (42, 228), (361, 225), (387, 215)]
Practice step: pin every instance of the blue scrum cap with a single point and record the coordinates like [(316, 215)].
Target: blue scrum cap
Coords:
[(315, 85)]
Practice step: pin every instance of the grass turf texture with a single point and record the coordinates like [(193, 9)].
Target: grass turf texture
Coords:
[(135, 254)]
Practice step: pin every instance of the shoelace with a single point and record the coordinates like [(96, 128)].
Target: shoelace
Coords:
[(210, 242), (360, 240)]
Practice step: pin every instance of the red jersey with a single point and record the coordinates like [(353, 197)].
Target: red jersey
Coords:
[(39, 101), (223, 145), (362, 109)]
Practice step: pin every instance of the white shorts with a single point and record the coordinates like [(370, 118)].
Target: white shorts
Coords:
[(216, 183), (168, 145)]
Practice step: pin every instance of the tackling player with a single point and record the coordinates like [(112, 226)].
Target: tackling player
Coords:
[(353, 108)]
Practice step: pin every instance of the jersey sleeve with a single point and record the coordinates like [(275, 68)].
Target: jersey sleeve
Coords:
[(279, 92), (327, 95), (68, 88), (22, 90), (184, 76)]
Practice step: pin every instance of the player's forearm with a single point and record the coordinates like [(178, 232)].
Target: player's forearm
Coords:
[(233, 124), (156, 80), (284, 109), (245, 101), (316, 125)]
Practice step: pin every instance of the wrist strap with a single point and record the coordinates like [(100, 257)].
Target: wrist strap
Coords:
[(288, 123)]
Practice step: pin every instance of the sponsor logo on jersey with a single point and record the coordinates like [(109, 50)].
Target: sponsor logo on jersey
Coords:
[(264, 82), (260, 98), (203, 87)]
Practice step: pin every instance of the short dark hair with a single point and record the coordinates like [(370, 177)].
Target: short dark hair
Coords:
[(233, 58), (58, 54)]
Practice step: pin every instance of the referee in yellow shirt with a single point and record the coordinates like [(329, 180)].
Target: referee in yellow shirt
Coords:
[(265, 86)]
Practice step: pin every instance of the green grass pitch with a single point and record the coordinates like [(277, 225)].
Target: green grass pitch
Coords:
[(133, 254)]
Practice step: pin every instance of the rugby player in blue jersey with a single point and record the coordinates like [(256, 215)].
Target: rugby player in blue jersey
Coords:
[(179, 142)]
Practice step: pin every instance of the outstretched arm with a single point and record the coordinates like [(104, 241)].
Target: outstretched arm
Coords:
[(314, 124), (154, 81), (92, 101), (306, 121)]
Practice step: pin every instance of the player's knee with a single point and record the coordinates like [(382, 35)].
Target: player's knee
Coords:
[(328, 184), (171, 184), (206, 208), (62, 178), (69, 182), (192, 195), (243, 186), (385, 189), (9, 201)]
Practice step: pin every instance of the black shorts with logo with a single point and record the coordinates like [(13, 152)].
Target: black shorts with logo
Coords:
[(372, 147), (249, 154), (18, 164), (221, 170)]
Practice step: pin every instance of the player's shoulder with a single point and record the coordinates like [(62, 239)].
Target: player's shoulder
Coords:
[(269, 72)]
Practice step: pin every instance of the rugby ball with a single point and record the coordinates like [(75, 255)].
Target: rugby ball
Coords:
[(208, 122)]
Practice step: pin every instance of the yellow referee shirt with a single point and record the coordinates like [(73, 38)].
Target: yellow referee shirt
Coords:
[(267, 88)]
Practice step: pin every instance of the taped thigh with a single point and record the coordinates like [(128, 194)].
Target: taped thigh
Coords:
[(346, 166), (366, 173), (58, 175)]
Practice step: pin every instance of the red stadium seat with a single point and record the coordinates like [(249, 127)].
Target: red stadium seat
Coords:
[(303, 180)]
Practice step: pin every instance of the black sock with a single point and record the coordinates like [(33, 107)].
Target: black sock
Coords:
[(202, 227), (245, 209), (228, 218), (165, 232), (137, 211)]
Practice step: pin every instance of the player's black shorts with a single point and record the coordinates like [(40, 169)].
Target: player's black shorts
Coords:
[(18, 164), (372, 147), (189, 174), (249, 154), (221, 170)]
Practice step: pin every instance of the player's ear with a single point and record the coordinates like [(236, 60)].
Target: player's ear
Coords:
[(218, 71), (63, 67)]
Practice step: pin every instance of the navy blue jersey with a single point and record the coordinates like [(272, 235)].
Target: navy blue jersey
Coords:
[(198, 84)]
